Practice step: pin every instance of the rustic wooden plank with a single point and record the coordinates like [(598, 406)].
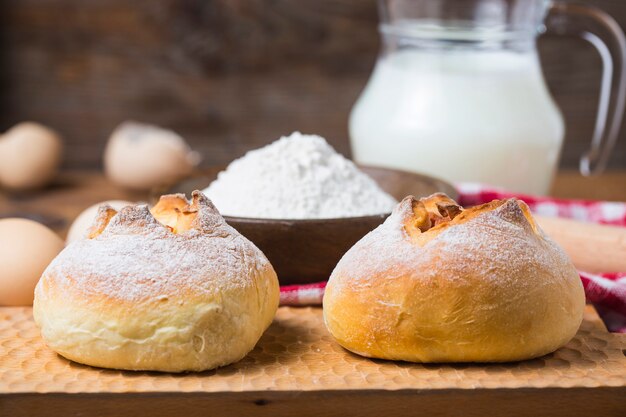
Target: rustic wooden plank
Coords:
[(610, 186), (572, 402), (298, 369)]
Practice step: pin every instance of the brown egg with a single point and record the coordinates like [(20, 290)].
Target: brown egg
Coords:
[(26, 249), (141, 156), (30, 155), (83, 221)]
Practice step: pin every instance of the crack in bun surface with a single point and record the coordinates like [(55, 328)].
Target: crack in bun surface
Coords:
[(171, 289), (439, 283)]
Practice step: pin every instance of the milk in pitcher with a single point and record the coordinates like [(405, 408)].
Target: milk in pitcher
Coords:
[(460, 115)]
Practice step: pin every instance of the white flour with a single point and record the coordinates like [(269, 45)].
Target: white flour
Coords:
[(297, 177)]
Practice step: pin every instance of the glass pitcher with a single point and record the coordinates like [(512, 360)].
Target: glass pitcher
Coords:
[(458, 92)]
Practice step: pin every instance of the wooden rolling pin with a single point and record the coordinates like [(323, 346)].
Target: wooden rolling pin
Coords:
[(592, 247)]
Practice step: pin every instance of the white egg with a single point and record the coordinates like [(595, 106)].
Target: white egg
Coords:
[(26, 249), (30, 155), (82, 223), (141, 156)]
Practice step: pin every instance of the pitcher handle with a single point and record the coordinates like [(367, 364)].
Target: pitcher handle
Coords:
[(605, 34)]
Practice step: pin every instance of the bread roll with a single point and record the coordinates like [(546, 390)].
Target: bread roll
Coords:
[(82, 223), (436, 283), (173, 290)]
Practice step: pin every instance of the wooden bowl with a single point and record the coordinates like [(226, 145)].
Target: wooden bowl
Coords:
[(305, 251)]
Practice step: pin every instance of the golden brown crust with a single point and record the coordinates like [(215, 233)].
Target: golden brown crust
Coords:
[(480, 284), (103, 217), (145, 288)]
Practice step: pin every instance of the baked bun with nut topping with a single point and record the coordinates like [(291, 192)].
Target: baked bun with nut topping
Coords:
[(171, 289), (439, 283)]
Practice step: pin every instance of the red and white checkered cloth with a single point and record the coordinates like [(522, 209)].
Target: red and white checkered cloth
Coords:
[(606, 291)]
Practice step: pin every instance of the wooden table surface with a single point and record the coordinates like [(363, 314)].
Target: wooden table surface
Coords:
[(74, 191), (297, 369)]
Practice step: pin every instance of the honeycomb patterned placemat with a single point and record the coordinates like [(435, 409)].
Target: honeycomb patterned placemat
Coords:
[(297, 353)]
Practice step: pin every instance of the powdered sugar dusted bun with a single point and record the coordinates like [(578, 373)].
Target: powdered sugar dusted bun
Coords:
[(172, 289), (436, 283)]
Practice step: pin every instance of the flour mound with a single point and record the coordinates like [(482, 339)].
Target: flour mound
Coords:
[(297, 177)]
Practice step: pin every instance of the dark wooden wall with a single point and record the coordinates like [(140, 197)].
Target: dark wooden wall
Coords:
[(229, 75)]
